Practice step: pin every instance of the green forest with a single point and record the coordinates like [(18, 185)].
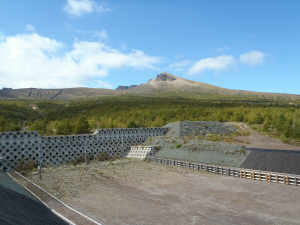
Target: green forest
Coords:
[(85, 115)]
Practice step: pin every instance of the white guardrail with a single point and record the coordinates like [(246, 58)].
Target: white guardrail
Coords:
[(273, 177)]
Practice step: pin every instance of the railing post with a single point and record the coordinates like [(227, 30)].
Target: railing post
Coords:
[(122, 133), (85, 146), (40, 156)]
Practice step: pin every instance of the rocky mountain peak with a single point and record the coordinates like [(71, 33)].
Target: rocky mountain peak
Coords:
[(126, 87), (165, 77)]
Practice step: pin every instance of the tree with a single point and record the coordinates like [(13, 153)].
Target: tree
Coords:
[(82, 126), (280, 122), (39, 125), (64, 127), (131, 124)]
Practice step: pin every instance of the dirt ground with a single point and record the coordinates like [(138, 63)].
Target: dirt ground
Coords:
[(258, 140), (147, 193)]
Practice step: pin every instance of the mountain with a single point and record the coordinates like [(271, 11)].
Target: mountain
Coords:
[(164, 84), (168, 83), (126, 87), (46, 94)]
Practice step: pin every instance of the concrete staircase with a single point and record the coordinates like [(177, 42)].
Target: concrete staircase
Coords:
[(139, 152)]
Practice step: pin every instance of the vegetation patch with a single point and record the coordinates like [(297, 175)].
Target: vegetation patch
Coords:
[(276, 117), (25, 167)]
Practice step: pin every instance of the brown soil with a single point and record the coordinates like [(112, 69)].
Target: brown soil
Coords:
[(146, 193), (257, 139)]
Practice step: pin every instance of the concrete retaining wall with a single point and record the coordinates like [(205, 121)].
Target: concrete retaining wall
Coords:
[(55, 150)]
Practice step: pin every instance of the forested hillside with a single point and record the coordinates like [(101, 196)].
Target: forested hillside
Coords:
[(82, 116)]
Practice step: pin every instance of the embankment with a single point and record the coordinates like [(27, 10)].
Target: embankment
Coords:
[(17, 206), (282, 161)]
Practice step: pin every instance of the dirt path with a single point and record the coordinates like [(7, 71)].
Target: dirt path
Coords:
[(146, 193), (259, 140)]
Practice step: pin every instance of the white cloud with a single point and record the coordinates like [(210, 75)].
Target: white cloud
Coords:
[(252, 58), (78, 8), (123, 46), (222, 49), (31, 60), (183, 63), (222, 62), (100, 34), (103, 84), (179, 56), (29, 28), (180, 66)]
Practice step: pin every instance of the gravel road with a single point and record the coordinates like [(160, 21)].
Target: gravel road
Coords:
[(146, 193)]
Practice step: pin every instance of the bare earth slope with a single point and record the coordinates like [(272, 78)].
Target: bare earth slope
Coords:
[(65, 93), (259, 140)]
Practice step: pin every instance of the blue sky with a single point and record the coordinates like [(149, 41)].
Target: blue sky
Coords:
[(245, 45)]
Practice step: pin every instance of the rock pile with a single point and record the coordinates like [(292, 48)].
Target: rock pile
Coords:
[(187, 128), (164, 77), (202, 151)]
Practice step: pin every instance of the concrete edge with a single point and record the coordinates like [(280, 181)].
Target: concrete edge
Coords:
[(88, 218)]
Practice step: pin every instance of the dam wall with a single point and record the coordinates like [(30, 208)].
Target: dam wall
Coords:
[(55, 150)]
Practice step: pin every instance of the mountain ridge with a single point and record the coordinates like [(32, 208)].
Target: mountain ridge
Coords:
[(164, 83)]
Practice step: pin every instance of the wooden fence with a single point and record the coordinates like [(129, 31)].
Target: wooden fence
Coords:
[(273, 177)]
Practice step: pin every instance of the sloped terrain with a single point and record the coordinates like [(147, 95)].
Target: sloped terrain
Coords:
[(47, 94), (192, 128), (184, 141), (17, 206), (168, 83), (164, 84), (273, 160), (201, 151)]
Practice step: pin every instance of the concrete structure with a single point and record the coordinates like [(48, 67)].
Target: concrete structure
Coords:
[(55, 150), (139, 152), (267, 176)]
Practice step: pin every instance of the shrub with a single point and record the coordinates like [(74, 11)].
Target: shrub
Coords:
[(78, 160), (157, 148), (81, 159), (242, 150), (213, 137), (25, 167), (103, 156), (132, 124)]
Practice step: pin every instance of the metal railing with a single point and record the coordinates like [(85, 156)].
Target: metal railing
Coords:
[(273, 177)]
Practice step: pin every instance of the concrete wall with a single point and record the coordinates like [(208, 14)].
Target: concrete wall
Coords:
[(55, 150)]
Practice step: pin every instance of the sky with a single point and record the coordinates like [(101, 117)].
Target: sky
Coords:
[(244, 45)]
